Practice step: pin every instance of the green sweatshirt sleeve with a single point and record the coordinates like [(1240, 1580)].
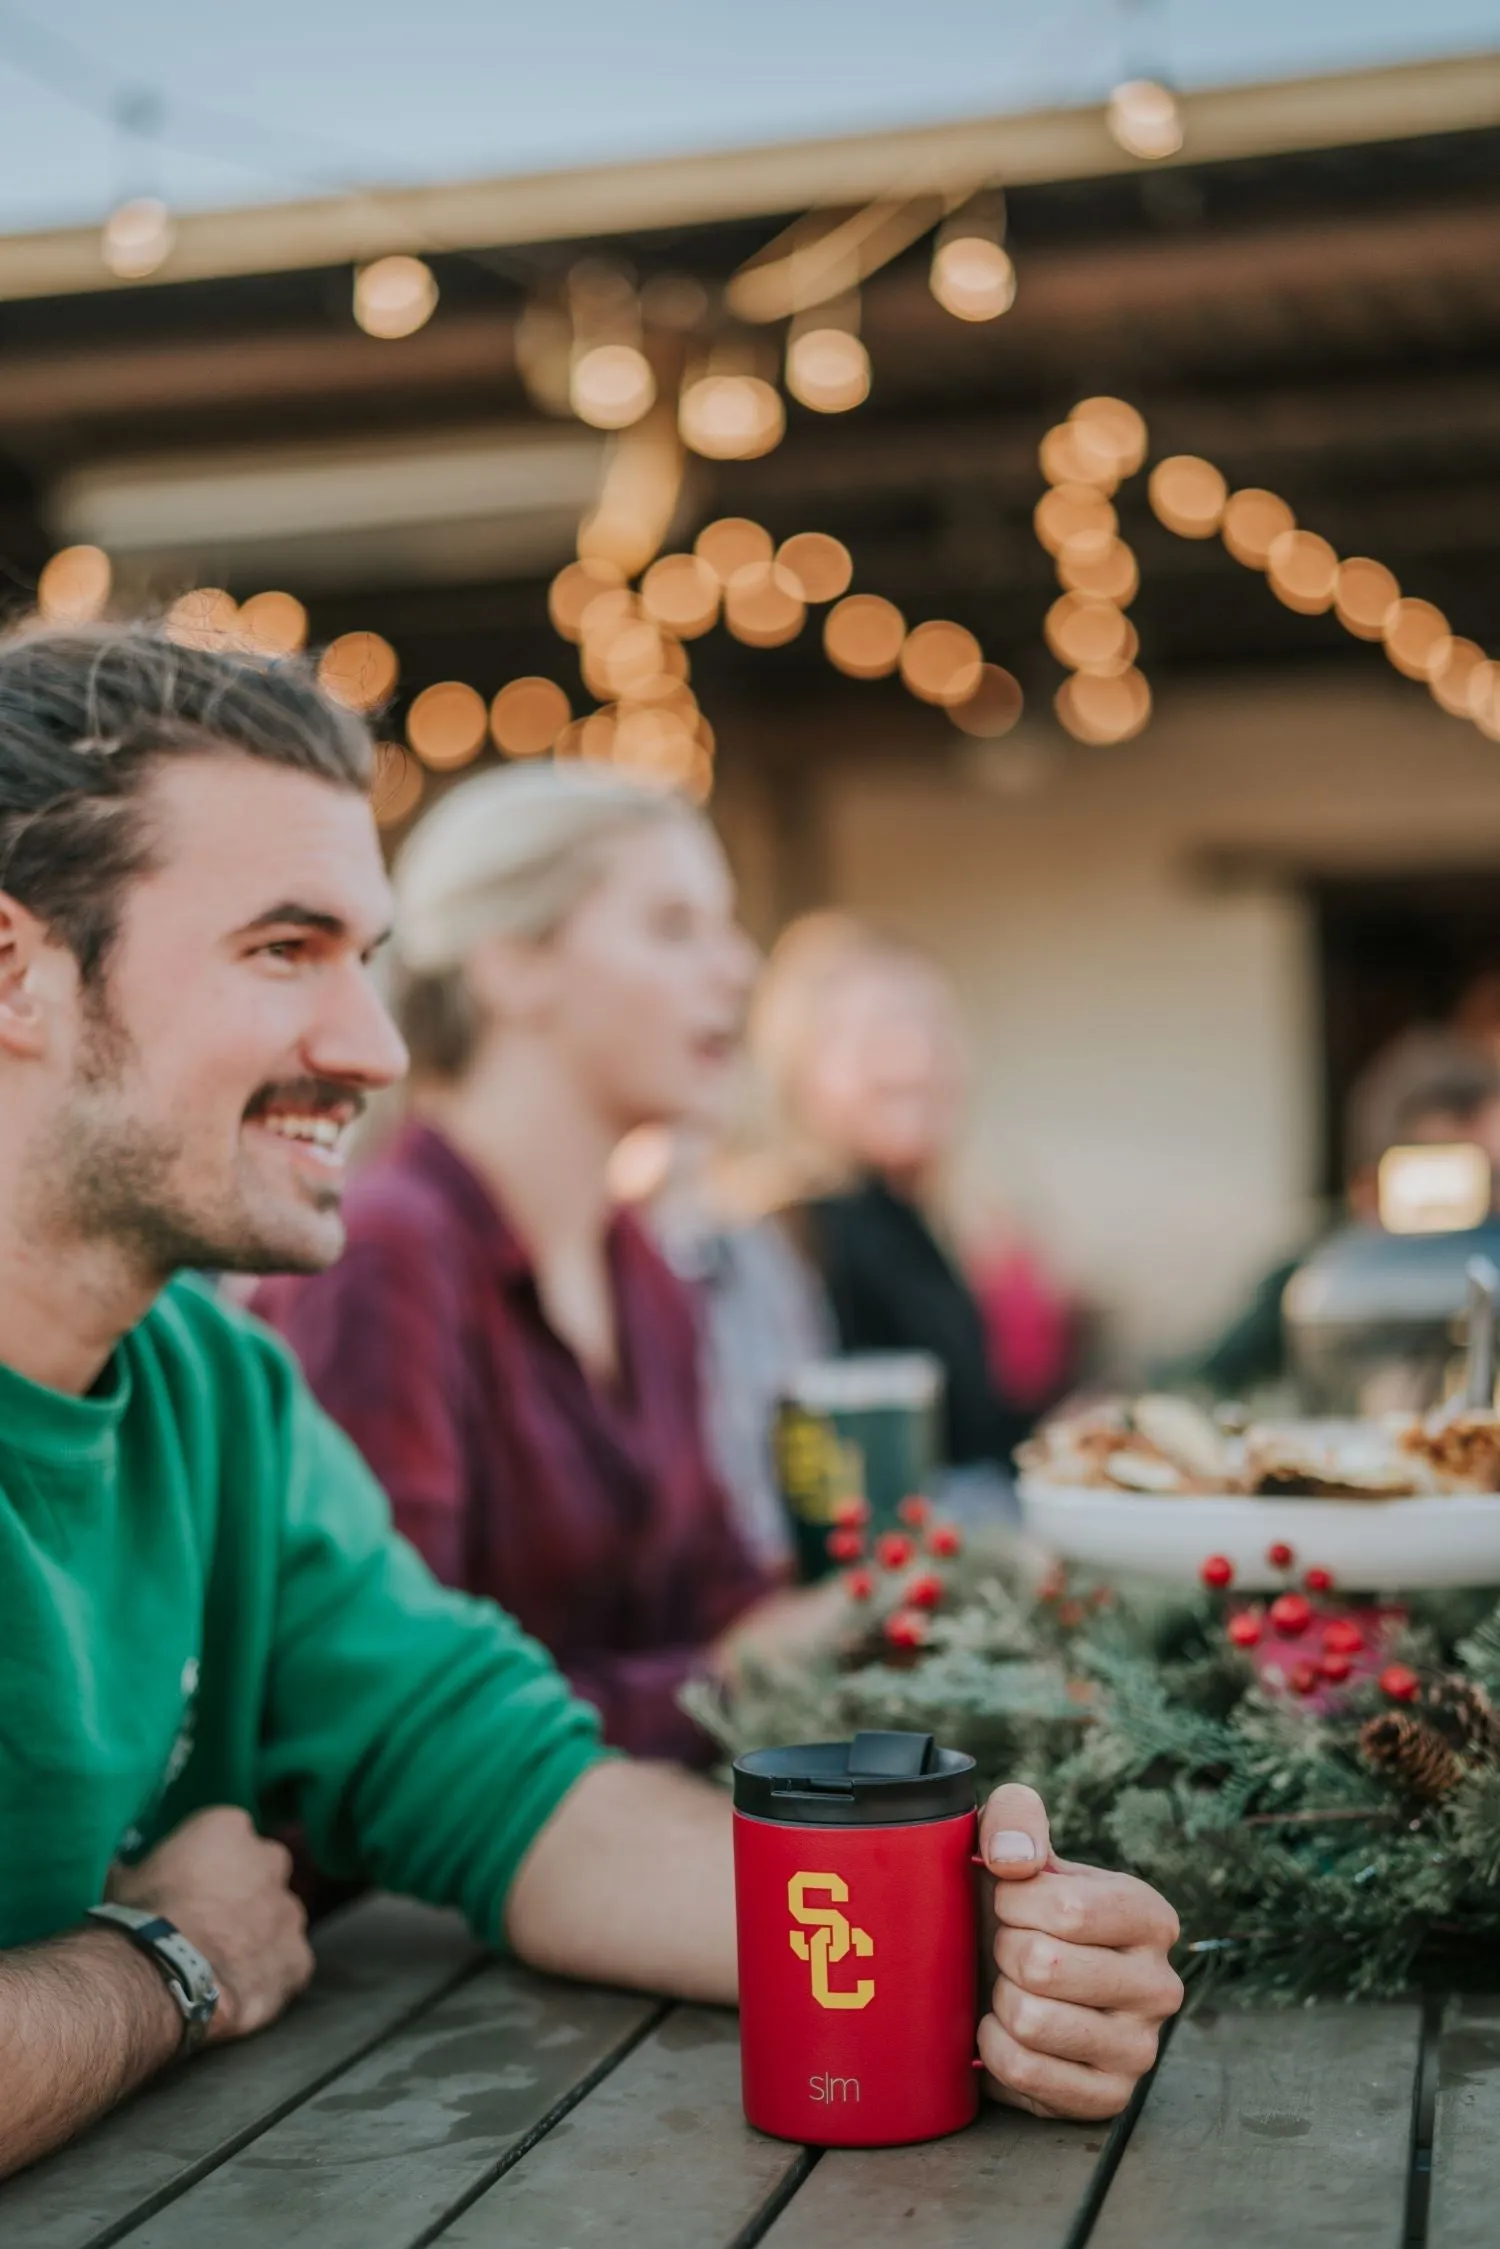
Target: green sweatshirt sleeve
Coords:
[(420, 1737)]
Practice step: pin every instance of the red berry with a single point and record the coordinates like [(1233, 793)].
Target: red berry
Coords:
[(1280, 1556), (1302, 1678), (944, 1539), (1245, 1629), (1054, 1585), (1318, 1581), (1335, 1667), (893, 1550), (852, 1508), (1290, 1615), (1217, 1572), (1070, 1614), (1400, 1682), (846, 1545), (859, 1585), (925, 1592), (907, 1628), (914, 1509), (1342, 1637)]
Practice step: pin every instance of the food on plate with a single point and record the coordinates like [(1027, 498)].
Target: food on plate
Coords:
[(1166, 1447)]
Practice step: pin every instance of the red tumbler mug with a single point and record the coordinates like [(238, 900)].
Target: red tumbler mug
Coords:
[(855, 1900)]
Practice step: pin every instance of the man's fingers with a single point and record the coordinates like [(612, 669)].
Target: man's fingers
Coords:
[(1120, 2045), (1014, 1839), (1024, 2078), (1140, 1981), (1088, 1907)]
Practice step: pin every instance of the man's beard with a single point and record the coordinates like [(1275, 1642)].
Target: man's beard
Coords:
[(109, 1177)]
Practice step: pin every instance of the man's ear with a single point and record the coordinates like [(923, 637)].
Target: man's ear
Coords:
[(32, 973)]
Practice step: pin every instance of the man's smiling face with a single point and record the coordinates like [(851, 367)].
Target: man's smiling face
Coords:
[(207, 1084)]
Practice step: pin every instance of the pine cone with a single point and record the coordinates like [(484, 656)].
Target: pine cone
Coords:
[(1407, 1750), (1464, 1715)]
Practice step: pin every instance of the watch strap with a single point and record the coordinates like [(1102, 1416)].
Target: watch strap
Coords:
[(181, 1966)]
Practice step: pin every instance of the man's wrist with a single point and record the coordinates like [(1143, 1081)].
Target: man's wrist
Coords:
[(145, 2004)]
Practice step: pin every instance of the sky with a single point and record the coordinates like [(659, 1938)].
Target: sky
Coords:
[(270, 99)]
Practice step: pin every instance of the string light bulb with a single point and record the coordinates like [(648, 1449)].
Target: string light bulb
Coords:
[(358, 670), (827, 369), (863, 635), (74, 586), (973, 276), (731, 417), (527, 716), (994, 706), (394, 296), (447, 724), (611, 386), (1143, 117), (137, 238), (273, 624), (397, 788)]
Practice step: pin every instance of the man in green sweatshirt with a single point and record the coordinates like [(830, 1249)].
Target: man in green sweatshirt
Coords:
[(207, 1626)]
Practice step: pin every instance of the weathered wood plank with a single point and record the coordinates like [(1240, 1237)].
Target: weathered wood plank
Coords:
[(1273, 2127), (377, 2158), (1462, 2212), (659, 2154), (1010, 2179), (378, 1962)]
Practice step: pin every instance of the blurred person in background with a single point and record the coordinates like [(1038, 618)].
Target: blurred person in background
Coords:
[(502, 1341), (861, 1055), (1433, 1087)]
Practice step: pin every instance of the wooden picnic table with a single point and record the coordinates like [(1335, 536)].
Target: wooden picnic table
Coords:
[(424, 2092)]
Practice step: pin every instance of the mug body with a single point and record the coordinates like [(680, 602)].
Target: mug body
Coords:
[(858, 1978)]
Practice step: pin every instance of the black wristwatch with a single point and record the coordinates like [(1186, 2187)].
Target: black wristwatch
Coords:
[(181, 1966)]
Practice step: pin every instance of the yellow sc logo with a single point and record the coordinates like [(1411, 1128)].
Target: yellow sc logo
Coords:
[(833, 1938)]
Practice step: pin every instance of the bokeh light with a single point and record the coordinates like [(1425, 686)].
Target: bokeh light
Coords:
[(828, 369), (941, 662), (1144, 119), (1113, 575), (394, 297), (273, 624), (205, 617), (1303, 570), (1417, 638), (611, 386), (1115, 427), (863, 635), (681, 591), (731, 417), (1100, 709), (358, 670), (1086, 633), (731, 542), (1075, 519), (973, 277), (1453, 679), (763, 605), (1484, 697), (822, 566), (74, 586), (447, 724), (632, 651), (137, 238), (1188, 495), (994, 706), (1070, 453), (574, 588), (527, 716), (655, 745), (1364, 597), (397, 788), (1253, 521)]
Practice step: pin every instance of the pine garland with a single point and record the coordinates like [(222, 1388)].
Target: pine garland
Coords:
[(1329, 1845)]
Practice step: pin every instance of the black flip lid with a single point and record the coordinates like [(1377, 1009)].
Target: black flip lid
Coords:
[(876, 1780)]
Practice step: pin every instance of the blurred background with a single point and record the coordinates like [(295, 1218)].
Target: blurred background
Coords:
[(1034, 473)]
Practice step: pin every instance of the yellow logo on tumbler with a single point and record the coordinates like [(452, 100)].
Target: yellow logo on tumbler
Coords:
[(833, 1938)]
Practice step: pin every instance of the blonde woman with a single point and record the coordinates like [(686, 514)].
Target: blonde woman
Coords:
[(502, 1342), (860, 1056)]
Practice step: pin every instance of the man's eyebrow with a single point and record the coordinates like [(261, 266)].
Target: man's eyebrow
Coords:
[(289, 914)]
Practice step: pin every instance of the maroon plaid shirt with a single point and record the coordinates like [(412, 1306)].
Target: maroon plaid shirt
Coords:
[(592, 1515)]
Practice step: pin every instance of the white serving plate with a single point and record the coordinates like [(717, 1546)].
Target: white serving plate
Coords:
[(1371, 1546)]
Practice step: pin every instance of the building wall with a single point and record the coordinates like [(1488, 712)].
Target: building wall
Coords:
[(1145, 1036)]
